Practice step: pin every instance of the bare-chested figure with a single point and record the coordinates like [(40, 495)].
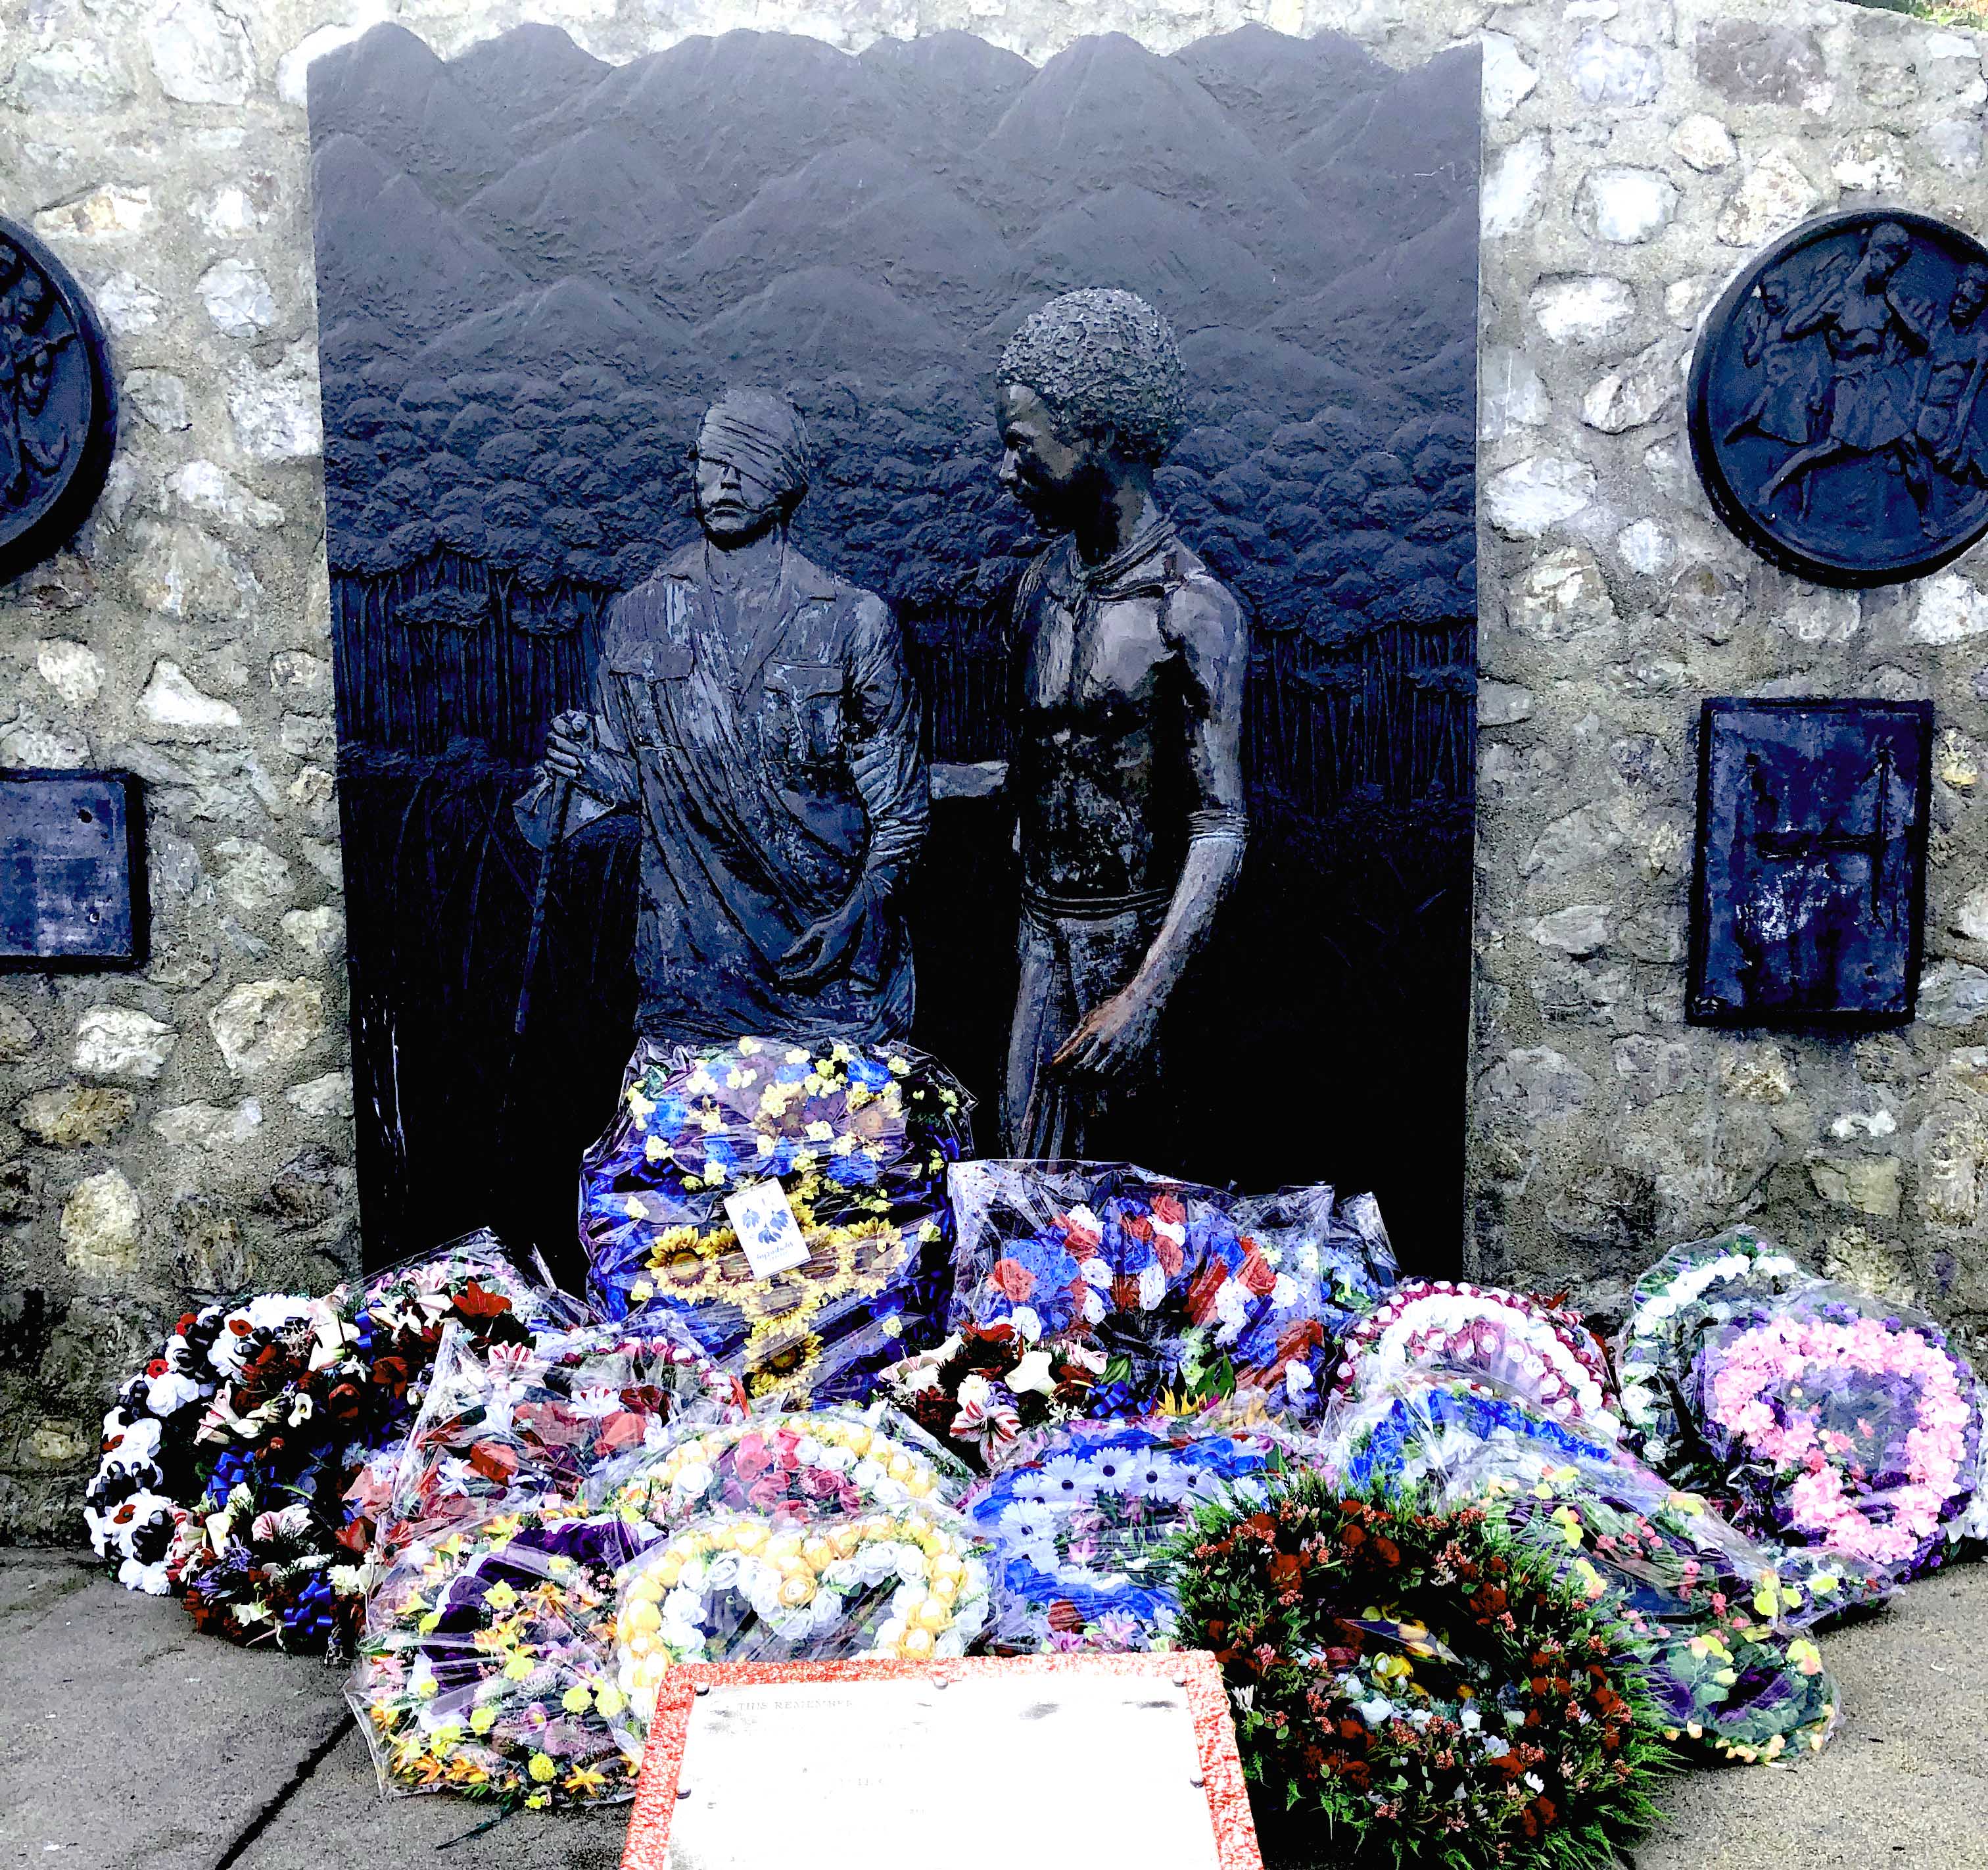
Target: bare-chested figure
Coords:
[(1128, 770), (1955, 367)]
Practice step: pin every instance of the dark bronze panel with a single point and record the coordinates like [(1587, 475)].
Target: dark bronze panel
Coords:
[(72, 892), (1809, 901)]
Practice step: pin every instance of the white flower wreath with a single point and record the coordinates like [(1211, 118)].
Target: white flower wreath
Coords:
[(814, 1589)]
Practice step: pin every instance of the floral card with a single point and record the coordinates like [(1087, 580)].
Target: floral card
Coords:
[(874, 1761)]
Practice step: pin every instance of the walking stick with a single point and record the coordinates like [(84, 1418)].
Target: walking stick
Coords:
[(534, 939), (535, 934)]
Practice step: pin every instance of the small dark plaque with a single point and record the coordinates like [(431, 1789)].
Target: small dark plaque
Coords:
[(71, 871), (1809, 901), (58, 409), (1839, 398)]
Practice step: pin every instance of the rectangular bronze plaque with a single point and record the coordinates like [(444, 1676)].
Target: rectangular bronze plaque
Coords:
[(1809, 896), (874, 1763), (71, 871)]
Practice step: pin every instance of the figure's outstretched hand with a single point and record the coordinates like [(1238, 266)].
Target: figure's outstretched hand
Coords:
[(824, 947), (1113, 1037)]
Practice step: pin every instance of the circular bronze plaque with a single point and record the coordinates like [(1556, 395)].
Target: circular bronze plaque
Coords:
[(1839, 398), (58, 412)]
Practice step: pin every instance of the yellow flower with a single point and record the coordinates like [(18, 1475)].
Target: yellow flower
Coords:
[(543, 1768), (500, 1596), (609, 1700), (584, 1779), (517, 1668), (576, 1700), (1806, 1656), (537, 1801), (482, 1718)]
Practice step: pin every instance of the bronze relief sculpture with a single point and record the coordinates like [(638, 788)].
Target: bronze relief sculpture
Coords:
[(58, 418), (536, 273), (1127, 771), (754, 712), (1837, 408)]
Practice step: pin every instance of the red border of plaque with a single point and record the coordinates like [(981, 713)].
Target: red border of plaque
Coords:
[(1193, 1669)]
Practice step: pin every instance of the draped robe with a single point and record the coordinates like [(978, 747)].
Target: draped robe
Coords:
[(774, 764)]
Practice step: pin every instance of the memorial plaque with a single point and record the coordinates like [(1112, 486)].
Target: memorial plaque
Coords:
[(880, 1762), (71, 871), (1836, 412), (1809, 899)]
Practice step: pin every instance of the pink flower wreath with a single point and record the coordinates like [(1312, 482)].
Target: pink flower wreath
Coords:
[(1842, 1429)]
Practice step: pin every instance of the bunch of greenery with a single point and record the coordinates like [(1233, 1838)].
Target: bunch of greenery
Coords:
[(1411, 1686)]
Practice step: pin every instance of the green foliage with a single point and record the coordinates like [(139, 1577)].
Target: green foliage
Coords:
[(1410, 1686)]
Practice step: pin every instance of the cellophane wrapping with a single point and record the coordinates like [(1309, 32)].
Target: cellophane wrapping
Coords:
[(908, 1583), (509, 1424), (487, 1664), (838, 1459), (1692, 1291), (1100, 1289), (307, 1395), (1715, 1621), (1081, 1515), (1842, 1424), (859, 1138), (1528, 1347)]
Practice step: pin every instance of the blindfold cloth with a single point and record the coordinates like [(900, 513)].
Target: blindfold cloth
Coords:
[(761, 434)]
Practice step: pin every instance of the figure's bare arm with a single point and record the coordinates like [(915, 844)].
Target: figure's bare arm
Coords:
[(1957, 438), (1820, 308), (1915, 317), (1208, 625)]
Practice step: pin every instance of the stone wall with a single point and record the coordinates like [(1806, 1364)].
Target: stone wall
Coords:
[(187, 1128)]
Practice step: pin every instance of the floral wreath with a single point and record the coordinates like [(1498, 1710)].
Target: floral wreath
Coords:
[(787, 1317), (1081, 1524), (300, 1402), (1855, 1431), (823, 1461), (1412, 1676), (1691, 1290), (149, 1471), (1708, 1619), (493, 1676), (1532, 1349), (1190, 1297), (904, 1585), (859, 1136), (1428, 1425), (520, 1421)]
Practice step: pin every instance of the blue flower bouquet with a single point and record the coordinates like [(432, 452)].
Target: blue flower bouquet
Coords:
[(857, 1138)]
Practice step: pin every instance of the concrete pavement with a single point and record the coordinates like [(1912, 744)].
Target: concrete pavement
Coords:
[(128, 1742)]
